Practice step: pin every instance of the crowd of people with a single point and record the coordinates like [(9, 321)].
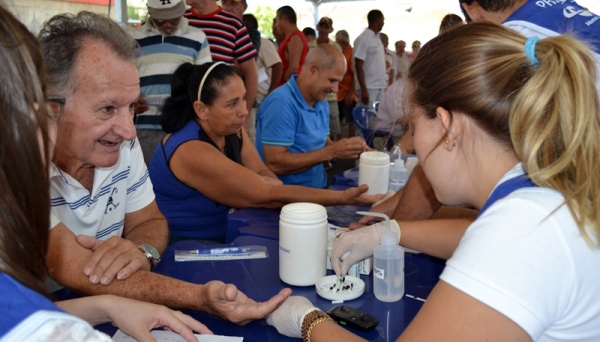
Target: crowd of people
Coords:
[(115, 143)]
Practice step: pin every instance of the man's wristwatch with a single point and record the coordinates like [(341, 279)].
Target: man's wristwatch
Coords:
[(151, 254)]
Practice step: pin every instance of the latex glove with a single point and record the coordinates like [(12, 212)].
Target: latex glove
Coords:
[(287, 319), (114, 257), (226, 301), (357, 245)]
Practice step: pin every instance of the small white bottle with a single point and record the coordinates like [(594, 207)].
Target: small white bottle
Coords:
[(388, 265), (398, 175)]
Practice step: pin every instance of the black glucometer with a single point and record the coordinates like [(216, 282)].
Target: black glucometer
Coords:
[(354, 318)]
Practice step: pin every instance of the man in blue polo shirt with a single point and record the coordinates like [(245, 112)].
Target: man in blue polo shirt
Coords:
[(292, 133)]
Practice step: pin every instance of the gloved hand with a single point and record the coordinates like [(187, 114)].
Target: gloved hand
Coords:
[(353, 246), (288, 317)]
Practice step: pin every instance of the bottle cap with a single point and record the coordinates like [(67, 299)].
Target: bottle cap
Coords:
[(388, 238)]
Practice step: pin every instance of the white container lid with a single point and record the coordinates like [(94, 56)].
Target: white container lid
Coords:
[(374, 158), (324, 288), (303, 212)]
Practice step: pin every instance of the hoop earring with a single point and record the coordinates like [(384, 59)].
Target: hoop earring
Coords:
[(454, 143)]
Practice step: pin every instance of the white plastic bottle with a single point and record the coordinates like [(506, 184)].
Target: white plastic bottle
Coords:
[(388, 267), (398, 175), (374, 170), (302, 243)]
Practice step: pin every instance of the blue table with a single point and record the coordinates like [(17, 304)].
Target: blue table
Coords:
[(259, 279), (264, 223)]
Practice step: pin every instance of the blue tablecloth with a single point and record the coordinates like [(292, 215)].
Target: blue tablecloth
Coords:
[(259, 279)]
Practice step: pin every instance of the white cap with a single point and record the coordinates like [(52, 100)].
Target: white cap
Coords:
[(166, 9)]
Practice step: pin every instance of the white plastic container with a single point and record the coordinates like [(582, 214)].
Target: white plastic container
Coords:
[(374, 170), (302, 243), (398, 175)]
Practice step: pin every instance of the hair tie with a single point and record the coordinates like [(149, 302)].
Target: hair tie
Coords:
[(205, 76), (530, 51)]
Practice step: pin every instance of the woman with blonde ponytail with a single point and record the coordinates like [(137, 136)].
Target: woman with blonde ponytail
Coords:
[(510, 126)]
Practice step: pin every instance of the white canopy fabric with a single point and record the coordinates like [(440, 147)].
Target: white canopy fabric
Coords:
[(316, 4)]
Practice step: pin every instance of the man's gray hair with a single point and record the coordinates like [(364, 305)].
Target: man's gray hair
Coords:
[(342, 35), (321, 57), (62, 40)]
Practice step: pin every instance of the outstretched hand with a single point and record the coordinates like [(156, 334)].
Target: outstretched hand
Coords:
[(114, 257), (137, 319), (226, 301), (358, 196)]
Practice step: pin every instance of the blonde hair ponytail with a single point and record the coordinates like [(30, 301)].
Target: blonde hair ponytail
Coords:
[(548, 114), (555, 128)]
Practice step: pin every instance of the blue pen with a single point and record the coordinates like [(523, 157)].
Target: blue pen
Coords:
[(231, 250)]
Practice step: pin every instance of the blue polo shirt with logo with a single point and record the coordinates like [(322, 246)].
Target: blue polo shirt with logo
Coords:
[(550, 18), (285, 119)]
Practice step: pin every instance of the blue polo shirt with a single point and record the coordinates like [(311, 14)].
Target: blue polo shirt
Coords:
[(285, 119)]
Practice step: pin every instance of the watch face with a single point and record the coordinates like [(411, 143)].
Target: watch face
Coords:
[(151, 250)]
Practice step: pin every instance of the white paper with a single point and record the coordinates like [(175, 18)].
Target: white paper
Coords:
[(169, 336), (262, 75)]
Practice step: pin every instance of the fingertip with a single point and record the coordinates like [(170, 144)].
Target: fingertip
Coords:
[(286, 292), (123, 274)]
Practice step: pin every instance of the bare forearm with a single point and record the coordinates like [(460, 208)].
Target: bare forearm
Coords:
[(418, 201), (289, 163), (154, 232), (90, 309), (276, 72), (251, 84), (293, 193), (438, 238), (289, 72), (142, 285), (388, 206), (360, 73), (330, 331)]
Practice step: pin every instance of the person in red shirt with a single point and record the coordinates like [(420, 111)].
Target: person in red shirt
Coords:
[(294, 48)]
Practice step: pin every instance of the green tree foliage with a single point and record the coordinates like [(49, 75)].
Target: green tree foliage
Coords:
[(265, 15)]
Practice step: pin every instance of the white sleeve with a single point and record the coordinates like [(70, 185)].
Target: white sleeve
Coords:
[(360, 48), (139, 187), (515, 259), (54, 326), (271, 57)]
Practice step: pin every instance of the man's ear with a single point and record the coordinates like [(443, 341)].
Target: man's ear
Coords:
[(473, 10), (201, 110), (314, 69)]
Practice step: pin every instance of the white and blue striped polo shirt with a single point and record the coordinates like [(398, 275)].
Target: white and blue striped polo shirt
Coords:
[(160, 57), (118, 190)]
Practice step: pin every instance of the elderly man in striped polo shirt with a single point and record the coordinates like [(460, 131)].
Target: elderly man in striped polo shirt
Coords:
[(167, 41)]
